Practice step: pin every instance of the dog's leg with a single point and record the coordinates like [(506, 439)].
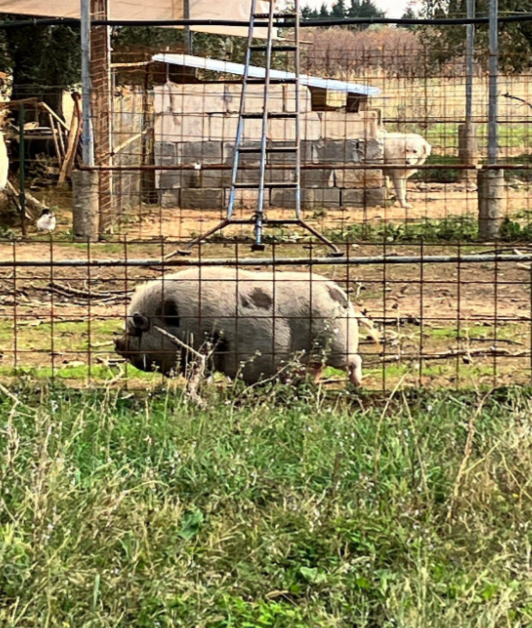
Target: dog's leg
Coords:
[(400, 189)]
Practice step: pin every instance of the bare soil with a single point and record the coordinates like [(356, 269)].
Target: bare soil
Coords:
[(442, 324)]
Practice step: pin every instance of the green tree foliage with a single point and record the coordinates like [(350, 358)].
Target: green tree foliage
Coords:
[(43, 60), (340, 10), (447, 42), (409, 14)]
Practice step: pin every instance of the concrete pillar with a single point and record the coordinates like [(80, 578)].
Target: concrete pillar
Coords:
[(490, 197), (468, 151), (85, 207)]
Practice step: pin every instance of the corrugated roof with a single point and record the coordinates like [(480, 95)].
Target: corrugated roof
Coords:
[(216, 65)]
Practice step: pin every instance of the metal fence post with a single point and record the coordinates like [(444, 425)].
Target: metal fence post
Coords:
[(87, 136), (467, 133), (491, 180), (22, 168)]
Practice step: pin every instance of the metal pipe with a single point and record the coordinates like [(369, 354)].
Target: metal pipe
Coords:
[(342, 166), (281, 23), (493, 79), (270, 261), (22, 167), (470, 57), (188, 32), (87, 139)]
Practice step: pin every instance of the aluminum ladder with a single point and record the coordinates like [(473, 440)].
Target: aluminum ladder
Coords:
[(259, 219)]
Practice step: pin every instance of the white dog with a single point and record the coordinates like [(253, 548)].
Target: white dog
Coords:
[(403, 149)]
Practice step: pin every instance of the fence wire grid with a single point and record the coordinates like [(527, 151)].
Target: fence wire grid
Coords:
[(444, 316)]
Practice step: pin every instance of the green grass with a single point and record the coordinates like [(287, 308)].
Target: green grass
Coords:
[(270, 510), (452, 229), (445, 135), (67, 336)]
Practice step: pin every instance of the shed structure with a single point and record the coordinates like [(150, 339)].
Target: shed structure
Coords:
[(196, 123)]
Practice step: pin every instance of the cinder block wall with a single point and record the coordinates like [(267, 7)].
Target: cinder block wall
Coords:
[(197, 124)]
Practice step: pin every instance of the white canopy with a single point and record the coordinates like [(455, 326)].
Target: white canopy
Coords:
[(151, 10)]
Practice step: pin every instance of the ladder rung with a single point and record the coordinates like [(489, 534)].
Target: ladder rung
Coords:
[(273, 81), (274, 48), (282, 149), (271, 115), (276, 16), (255, 186), (291, 185), (270, 149)]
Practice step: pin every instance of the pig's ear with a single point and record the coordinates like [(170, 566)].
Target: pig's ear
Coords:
[(168, 313), (140, 322)]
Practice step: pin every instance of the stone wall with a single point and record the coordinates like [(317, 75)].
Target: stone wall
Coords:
[(197, 124)]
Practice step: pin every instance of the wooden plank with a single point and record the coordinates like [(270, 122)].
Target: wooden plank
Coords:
[(56, 142), (73, 140)]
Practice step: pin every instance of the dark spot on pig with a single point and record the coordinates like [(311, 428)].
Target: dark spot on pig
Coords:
[(337, 295), (167, 311), (261, 299), (220, 351), (244, 301)]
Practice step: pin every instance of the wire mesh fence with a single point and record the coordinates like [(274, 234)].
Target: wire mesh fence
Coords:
[(451, 307)]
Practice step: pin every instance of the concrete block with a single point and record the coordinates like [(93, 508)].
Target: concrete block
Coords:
[(343, 125), (328, 198), (254, 98), (199, 152), (286, 198), (248, 176), (339, 151), (373, 151), (280, 98), (244, 199), (285, 130), (352, 198), (170, 198), (222, 128), (162, 98), (358, 178), (319, 178), (164, 153), (189, 98), (171, 179), (289, 96), (252, 131), (205, 198), (228, 152), (183, 128), (214, 178), (375, 197)]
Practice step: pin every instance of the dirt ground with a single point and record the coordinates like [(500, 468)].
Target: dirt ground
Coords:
[(429, 201), (441, 324)]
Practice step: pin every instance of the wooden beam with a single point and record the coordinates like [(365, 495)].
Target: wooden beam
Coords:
[(73, 140), (101, 108)]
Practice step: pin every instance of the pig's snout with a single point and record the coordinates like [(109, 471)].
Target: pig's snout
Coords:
[(120, 345), (355, 371)]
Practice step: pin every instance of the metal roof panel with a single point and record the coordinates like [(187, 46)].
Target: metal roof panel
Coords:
[(217, 65)]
